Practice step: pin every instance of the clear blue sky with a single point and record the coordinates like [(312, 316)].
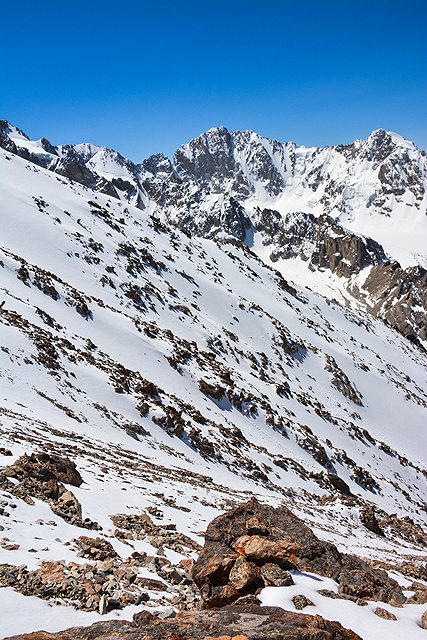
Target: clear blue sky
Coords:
[(147, 76)]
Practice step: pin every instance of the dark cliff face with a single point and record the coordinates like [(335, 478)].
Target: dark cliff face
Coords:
[(343, 252), (207, 157), (400, 297)]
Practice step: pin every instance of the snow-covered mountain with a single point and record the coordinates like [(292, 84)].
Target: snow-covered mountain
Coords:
[(183, 375), (348, 221)]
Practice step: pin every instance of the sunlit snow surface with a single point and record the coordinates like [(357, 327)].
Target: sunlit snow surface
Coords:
[(222, 302), (362, 621)]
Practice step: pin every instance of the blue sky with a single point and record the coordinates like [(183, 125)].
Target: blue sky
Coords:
[(143, 77)]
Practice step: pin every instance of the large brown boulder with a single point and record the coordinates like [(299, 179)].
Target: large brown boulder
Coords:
[(240, 544), (45, 467)]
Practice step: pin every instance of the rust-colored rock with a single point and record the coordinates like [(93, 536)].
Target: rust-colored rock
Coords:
[(151, 583), (51, 572), (261, 550), (244, 574), (287, 543), (229, 623)]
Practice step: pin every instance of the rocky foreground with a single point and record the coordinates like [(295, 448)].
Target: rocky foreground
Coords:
[(249, 547), (234, 622)]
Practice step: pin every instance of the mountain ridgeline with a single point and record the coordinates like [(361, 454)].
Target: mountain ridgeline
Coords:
[(345, 211)]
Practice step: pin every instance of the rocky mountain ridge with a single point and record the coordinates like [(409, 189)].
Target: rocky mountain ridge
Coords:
[(289, 204)]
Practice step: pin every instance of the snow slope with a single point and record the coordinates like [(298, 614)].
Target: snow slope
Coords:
[(287, 203), (261, 388)]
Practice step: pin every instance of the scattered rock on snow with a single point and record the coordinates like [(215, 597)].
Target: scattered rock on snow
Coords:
[(95, 548), (383, 613), (300, 602)]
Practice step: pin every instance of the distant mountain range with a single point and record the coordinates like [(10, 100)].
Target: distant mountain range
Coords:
[(348, 221)]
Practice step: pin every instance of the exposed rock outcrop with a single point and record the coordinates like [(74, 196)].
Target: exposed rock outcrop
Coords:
[(40, 476), (46, 467), (368, 518), (249, 622), (399, 296), (233, 563), (343, 252)]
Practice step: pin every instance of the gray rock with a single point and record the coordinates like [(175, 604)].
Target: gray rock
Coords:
[(103, 605)]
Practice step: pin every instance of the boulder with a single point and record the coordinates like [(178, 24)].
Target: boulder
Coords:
[(261, 550), (369, 520), (68, 502), (45, 467), (230, 556), (243, 574)]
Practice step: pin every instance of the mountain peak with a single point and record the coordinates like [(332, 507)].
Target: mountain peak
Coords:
[(274, 196)]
